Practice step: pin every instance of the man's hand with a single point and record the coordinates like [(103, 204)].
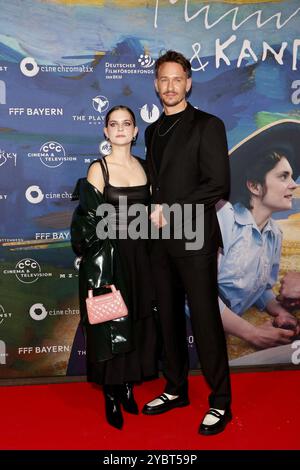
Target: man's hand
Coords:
[(157, 217), (290, 285)]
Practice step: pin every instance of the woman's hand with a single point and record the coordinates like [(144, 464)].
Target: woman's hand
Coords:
[(157, 217)]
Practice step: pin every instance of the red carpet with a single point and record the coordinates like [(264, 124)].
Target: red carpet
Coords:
[(266, 409)]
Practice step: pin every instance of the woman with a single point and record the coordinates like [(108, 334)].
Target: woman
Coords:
[(119, 352), (249, 262)]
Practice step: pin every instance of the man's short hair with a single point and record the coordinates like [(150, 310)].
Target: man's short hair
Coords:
[(174, 56)]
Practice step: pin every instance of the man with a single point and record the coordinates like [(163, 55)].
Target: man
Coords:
[(188, 165)]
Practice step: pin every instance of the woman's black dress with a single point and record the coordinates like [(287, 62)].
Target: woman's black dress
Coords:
[(141, 362)]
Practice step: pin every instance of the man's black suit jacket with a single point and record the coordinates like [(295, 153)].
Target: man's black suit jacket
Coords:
[(194, 170)]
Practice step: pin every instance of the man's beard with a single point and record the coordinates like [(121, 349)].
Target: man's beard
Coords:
[(174, 103)]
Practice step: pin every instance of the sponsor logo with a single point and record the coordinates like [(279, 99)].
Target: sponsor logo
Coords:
[(100, 103), (35, 195), (116, 70), (3, 354), (2, 92), (146, 61), (67, 276), (37, 112), (3, 68), (66, 236), (7, 157), (50, 349), (27, 271), (4, 315), (38, 312), (52, 154), (89, 160), (11, 240), (30, 68), (81, 352), (105, 147), (150, 113)]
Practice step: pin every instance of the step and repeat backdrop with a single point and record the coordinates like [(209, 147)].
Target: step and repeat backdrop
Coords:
[(63, 64)]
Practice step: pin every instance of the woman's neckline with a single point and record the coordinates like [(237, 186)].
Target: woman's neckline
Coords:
[(126, 187)]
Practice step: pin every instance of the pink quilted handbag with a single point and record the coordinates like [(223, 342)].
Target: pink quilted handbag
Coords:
[(105, 307)]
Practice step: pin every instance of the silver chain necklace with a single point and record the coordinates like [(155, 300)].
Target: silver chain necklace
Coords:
[(168, 130)]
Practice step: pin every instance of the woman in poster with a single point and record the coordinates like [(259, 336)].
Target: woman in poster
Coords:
[(262, 183)]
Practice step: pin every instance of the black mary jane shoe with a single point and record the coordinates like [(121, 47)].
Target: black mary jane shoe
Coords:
[(218, 426), (112, 407), (127, 398), (166, 404)]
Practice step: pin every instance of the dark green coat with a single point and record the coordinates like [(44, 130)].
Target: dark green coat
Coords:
[(100, 265)]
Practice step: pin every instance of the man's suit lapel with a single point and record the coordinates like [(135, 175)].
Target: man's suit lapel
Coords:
[(175, 144)]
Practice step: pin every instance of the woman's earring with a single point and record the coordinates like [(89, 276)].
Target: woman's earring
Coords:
[(133, 139)]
